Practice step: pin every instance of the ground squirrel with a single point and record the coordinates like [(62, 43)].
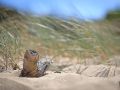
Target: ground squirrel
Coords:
[(32, 66)]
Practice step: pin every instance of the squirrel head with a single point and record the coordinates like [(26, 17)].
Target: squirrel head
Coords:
[(31, 55)]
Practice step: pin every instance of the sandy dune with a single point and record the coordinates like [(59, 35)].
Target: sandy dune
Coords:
[(93, 70), (58, 81), (7, 84)]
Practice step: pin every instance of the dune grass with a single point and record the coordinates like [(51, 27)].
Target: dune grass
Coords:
[(72, 37), (57, 37)]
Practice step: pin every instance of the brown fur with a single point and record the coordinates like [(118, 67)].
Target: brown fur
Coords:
[(30, 64)]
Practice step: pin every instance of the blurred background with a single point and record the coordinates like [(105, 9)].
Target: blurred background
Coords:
[(71, 30)]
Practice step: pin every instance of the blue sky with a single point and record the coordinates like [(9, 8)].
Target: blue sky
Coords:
[(83, 9)]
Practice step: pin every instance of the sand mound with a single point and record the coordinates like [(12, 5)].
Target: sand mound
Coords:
[(6, 84), (94, 70), (57, 81), (87, 77)]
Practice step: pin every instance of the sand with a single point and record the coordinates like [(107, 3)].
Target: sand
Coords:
[(58, 81), (93, 70)]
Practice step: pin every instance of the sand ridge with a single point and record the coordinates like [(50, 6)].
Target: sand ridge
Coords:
[(58, 81)]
